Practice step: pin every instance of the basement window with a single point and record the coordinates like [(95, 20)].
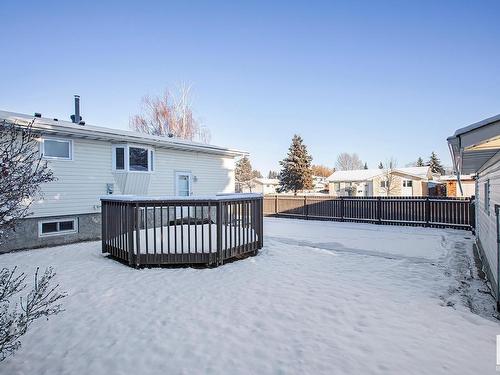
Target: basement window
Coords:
[(57, 227)]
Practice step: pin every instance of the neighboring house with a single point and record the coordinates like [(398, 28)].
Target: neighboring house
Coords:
[(476, 149), (411, 181), (90, 161), (320, 184), (453, 190), (262, 186)]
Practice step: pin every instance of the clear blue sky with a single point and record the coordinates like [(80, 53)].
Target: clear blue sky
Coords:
[(380, 78)]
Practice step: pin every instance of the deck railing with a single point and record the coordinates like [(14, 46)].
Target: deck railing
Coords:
[(181, 230), (443, 212)]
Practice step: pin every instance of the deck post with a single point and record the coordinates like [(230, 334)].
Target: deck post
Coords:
[(137, 235), (130, 231), (104, 220), (220, 259)]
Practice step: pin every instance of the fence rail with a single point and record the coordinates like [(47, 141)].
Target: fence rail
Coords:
[(443, 212), (178, 230)]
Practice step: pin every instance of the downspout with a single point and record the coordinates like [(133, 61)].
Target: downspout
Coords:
[(456, 163)]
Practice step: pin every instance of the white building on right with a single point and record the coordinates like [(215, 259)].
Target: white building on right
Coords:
[(475, 149)]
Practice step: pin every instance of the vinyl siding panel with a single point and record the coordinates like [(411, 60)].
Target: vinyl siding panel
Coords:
[(486, 227), (82, 181)]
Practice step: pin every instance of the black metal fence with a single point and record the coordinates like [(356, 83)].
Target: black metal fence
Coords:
[(190, 230), (443, 212)]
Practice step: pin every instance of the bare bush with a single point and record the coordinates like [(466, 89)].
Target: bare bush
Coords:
[(22, 171), (16, 318)]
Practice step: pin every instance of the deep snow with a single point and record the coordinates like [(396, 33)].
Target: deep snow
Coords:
[(320, 298)]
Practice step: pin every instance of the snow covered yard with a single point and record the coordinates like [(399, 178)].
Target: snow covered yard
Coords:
[(320, 298)]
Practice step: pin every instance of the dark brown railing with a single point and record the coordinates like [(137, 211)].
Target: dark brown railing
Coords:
[(181, 230), (443, 212)]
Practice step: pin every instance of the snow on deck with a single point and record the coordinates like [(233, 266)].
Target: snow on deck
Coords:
[(320, 298)]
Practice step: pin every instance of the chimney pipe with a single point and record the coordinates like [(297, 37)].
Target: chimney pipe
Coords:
[(76, 118)]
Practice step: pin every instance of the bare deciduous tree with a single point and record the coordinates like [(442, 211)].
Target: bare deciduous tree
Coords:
[(348, 162), (389, 179), (170, 116), (321, 170), (16, 318), (21, 173)]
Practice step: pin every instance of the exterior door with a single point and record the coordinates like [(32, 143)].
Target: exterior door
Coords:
[(407, 189), (182, 189), (183, 184)]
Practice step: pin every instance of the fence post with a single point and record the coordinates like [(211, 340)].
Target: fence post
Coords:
[(342, 208), (427, 211), (276, 205), (379, 210), (220, 260), (306, 209)]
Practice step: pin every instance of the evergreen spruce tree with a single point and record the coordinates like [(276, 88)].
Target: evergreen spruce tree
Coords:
[(420, 162), (272, 174), (380, 166), (365, 166), (435, 164), (296, 173)]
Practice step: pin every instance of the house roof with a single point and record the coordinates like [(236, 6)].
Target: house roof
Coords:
[(420, 172), (472, 146), (453, 177), (355, 175), (67, 128), (369, 174), (267, 181)]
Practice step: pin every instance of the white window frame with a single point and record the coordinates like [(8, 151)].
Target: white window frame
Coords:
[(405, 183), (42, 148), (59, 232), (183, 173), (126, 147)]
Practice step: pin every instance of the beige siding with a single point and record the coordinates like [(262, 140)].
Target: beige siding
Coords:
[(81, 181), (486, 227)]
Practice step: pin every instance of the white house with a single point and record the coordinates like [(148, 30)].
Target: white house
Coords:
[(410, 181), (90, 161), (263, 186), (475, 149)]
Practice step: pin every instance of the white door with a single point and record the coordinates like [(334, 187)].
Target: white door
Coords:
[(407, 189), (183, 184), (182, 189)]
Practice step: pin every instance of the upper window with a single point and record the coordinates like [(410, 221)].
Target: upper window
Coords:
[(132, 158), (120, 158), (383, 183), (53, 148)]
